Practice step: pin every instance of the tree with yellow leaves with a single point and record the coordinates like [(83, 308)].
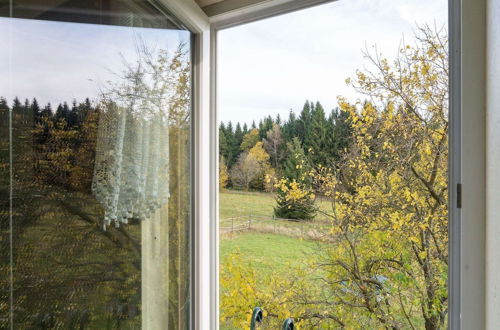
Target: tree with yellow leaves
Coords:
[(223, 173), (389, 257), (251, 168), (384, 261), (250, 139)]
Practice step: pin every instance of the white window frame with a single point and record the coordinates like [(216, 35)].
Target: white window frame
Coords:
[(467, 30), (190, 14)]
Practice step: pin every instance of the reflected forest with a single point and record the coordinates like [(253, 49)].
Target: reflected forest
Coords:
[(69, 271)]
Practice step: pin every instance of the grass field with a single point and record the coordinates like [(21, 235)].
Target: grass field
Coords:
[(266, 253), (239, 203)]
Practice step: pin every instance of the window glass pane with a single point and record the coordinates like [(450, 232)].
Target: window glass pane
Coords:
[(95, 120)]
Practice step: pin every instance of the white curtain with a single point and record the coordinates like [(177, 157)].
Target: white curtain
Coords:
[(131, 177)]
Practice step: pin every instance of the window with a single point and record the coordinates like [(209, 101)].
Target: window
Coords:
[(327, 293), (95, 162)]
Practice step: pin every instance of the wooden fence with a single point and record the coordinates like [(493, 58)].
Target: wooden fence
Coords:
[(312, 229)]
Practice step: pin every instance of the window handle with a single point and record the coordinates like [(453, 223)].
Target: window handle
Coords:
[(257, 317)]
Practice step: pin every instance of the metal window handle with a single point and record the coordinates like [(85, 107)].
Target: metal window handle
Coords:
[(257, 317), (288, 324)]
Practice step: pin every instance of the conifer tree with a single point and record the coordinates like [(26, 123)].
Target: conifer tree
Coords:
[(304, 122), (297, 165), (290, 127), (267, 125), (229, 134), (236, 143), (315, 144), (47, 111), (339, 134), (35, 110), (294, 196), (278, 119), (72, 118), (62, 112), (223, 146)]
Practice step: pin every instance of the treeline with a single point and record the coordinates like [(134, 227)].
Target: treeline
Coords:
[(53, 146), (281, 148)]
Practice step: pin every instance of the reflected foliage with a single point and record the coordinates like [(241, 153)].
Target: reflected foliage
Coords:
[(68, 272)]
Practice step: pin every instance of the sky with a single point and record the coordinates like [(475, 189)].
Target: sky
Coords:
[(264, 68), (58, 62), (273, 66)]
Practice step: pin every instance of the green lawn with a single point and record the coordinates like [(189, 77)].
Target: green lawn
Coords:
[(267, 252), (240, 203)]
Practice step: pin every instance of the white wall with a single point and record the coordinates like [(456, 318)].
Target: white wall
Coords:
[(493, 165)]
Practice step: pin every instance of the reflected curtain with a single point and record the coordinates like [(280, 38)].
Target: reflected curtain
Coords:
[(131, 177)]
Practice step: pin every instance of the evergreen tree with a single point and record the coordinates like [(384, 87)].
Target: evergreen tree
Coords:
[(278, 119), (4, 134), (339, 134), (84, 109), (294, 196), (36, 111), (297, 165), (294, 201), (304, 122), (223, 145), (245, 129), (22, 138), (229, 134), (73, 115), (267, 125), (315, 144), (238, 139), (222, 127), (47, 111), (62, 112), (289, 128)]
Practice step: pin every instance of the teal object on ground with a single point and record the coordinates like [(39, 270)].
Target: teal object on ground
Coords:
[(288, 324), (257, 317)]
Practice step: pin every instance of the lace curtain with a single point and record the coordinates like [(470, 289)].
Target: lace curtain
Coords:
[(131, 177)]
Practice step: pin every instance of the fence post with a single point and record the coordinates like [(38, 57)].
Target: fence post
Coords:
[(274, 223), (249, 221), (232, 225)]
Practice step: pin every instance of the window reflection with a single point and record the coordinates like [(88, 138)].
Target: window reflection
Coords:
[(98, 205)]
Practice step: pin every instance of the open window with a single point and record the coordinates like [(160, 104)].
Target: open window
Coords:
[(320, 206)]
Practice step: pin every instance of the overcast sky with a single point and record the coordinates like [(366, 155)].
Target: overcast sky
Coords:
[(58, 62), (266, 67), (272, 66)]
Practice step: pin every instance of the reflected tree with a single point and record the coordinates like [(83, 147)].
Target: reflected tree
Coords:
[(69, 272)]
